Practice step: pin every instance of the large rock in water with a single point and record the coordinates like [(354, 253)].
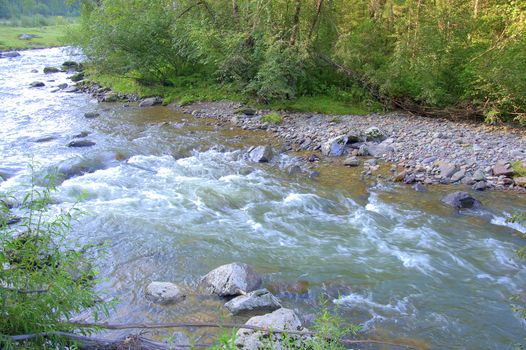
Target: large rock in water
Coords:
[(151, 101), (81, 143), (335, 146), (461, 200), (257, 302), (281, 319), (260, 154), (163, 293), (10, 54), (231, 280)]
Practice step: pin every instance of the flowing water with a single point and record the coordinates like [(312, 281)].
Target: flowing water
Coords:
[(174, 197)]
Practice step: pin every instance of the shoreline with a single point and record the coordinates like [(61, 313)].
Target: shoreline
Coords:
[(421, 151)]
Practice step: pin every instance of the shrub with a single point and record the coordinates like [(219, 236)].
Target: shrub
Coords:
[(44, 279)]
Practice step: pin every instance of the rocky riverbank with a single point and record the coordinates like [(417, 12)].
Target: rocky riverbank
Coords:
[(422, 151)]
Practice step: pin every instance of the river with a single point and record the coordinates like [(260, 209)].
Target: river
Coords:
[(174, 197)]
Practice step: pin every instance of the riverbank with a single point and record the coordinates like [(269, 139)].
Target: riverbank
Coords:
[(423, 151)]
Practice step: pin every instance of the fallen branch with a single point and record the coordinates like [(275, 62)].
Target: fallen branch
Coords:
[(121, 326)]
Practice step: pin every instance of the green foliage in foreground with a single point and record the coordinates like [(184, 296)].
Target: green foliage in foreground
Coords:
[(44, 37), (467, 57), (44, 281), (329, 327)]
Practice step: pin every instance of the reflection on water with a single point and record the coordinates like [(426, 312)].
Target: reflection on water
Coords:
[(175, 197)]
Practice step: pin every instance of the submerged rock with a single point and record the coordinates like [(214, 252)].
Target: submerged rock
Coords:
[(281, 319), (461, 200), (163, 293), (231, 280), (37, 84), (91, 115), (77, 77), (151, 101), (258, 301), (260, 154), (419, 187), (81, 143)]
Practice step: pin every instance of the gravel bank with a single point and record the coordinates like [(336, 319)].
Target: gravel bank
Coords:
[(421, 150)]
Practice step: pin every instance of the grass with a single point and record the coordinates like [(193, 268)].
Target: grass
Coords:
[(272, 118), (519, 169), (45, 37), (189, 89)]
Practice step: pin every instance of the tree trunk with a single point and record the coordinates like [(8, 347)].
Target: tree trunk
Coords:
[(319, 5), (295, 24)]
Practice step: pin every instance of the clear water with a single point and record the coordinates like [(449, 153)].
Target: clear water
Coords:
[(174, 198)]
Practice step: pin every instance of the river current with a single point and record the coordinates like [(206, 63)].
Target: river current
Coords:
[(174, 197)]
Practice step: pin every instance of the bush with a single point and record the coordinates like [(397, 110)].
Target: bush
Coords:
[(44, 280)]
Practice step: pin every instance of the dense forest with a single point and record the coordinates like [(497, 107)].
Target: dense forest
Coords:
[(455, 57), (15, 8)]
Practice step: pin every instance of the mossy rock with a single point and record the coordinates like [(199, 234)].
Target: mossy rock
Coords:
[(50, 70), (77, 77)]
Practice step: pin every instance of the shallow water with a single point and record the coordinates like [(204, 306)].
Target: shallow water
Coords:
[(174, 197)]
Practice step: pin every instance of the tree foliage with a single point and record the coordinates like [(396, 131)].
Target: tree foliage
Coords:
[(468, 55)]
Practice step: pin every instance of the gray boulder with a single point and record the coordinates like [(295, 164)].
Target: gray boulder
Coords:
[(81, 143), (257, 302), (461, 200), (71, 89), (260, 154), (231, 280), (352, 162), (163, 293), (419, 187), (447, 169), (379, 150), (480, 186), (36, 84), (151, 101), (50, 70), (10, 54), (281, 319), (335, 146), (459, 175)]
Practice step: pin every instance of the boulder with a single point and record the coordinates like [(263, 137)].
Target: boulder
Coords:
[(355, 136), (281, 319), (77, 77), (110, 97), (260, 154), (447, 169), (26, 36), (374, 134), (10, 54), (380, 149), (335, 146), (352, 162), (81, 143), (257, 302), (163, 293), (62, 86), (91, 115), (461, 200), (37, 84), (245, 111), (502, 168), (50, 70), (419, 187), (479, 186), (71, 89), (459, 175), (478, 175), (231, 280), (151, 101), (363, 151)]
